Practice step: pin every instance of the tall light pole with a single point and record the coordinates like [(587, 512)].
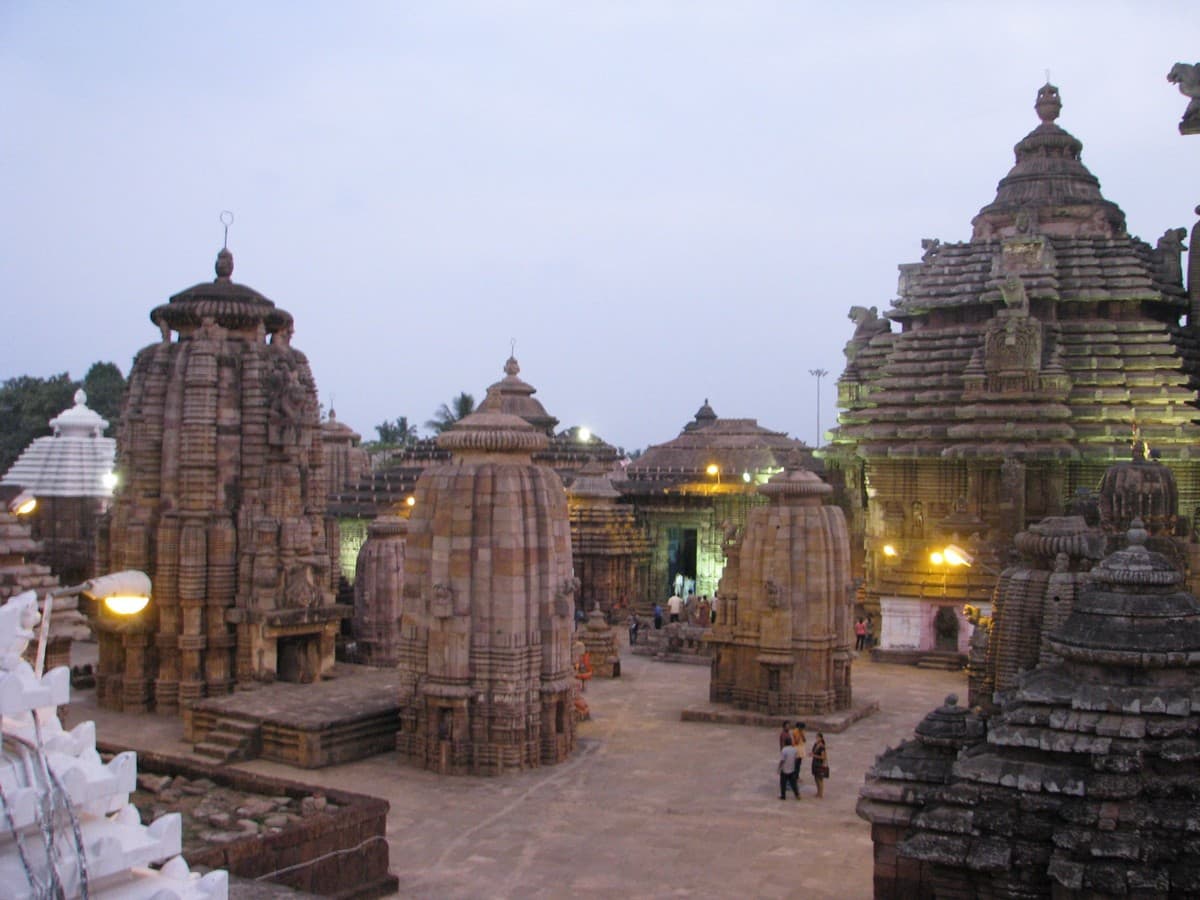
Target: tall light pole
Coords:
[(818, 374)]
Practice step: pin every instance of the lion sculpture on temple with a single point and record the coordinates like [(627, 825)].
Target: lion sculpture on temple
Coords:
[(1188, 78)]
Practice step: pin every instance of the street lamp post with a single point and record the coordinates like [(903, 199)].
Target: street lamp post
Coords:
[(818, 374)]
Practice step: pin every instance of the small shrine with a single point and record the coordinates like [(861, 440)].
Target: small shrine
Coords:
[(486, 625), (379, 592), (600, 643), (70, 472), (221, 500), (781, 642), (610, 550)]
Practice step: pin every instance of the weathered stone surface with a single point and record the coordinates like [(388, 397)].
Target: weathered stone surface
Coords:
[(484, 650), (1010, 371), (1091, 802), (221, 500), (781, 642)]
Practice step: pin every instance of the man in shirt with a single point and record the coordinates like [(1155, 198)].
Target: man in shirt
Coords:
[(674, 607)]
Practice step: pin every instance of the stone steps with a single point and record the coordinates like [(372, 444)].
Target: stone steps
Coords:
[(231, 740)]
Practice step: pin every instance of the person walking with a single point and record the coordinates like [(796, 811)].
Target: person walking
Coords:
[(633, 628), (657, 617), (674, 607), (789, 765), (860, 634), (820, 764), (785, 734)]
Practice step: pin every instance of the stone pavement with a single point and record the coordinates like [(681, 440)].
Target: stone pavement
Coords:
[(649, 806)]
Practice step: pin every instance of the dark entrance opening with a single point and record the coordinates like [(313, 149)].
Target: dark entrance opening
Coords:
[(945, 628), (298, 659), (681, 560)]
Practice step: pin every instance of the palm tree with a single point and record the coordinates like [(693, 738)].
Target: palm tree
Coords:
[(447, 414)]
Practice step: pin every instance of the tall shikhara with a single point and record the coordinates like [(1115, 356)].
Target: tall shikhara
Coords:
[(485, 635), (221, 500), (1026, 360)]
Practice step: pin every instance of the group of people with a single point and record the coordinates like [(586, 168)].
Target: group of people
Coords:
[(792, 743)]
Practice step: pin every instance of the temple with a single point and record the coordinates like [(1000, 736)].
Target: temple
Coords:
[(1023, 362), (485, 630), (221, 500), (781, 642)]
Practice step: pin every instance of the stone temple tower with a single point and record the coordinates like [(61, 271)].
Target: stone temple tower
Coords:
[(484, 650), (221, 501), (781, 643)]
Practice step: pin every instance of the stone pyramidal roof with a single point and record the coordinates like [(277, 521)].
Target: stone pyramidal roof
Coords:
[(75, 461), (1051, 333)]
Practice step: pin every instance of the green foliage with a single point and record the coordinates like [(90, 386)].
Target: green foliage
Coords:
[(28, 403), (449, 413), (105, 388), (396, 434)]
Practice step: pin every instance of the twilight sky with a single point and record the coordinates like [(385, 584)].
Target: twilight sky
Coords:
[(658, 201)]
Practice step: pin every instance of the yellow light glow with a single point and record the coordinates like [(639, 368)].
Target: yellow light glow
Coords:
[(954, 557), (25, 508), (411, 501), (125, 604), (109, 480), (936, 558), (889, 550), (585, 435), (712, 469)]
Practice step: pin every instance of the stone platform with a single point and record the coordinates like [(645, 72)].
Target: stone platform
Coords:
[(833, 722), (352, 714)]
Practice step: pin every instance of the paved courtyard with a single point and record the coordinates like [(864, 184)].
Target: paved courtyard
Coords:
[(649, 806)]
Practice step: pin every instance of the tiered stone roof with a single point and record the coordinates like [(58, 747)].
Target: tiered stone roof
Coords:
[(76, 460), (1050, 334), (1090, 775), (735, 446)]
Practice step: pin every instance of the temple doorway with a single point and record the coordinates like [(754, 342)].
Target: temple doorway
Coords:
[(945, 628), (298, 658), (681, 560)]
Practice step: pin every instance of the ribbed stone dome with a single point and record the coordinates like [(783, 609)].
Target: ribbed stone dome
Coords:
[(230, 305)]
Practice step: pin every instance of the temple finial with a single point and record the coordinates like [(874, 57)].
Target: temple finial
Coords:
[(1049, 103)]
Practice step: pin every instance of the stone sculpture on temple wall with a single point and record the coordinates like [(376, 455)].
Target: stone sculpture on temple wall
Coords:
[(485, 631), (221, 501), (1187, 77), (781, 642)]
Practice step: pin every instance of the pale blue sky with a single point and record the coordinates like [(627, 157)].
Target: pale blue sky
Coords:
[(660, 202)]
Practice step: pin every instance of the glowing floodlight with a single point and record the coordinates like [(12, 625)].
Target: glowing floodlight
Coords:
[(109, 480), (746, 477), (411, 500), (23, 504), (123, 593), (957, 556), (889, 551), (712, 469), (936, 558), (585, 435)]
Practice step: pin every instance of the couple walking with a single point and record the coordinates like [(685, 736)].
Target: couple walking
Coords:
[(791, 758)]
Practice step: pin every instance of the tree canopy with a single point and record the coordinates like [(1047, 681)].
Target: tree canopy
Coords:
[(396, 434), (449, 413)]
